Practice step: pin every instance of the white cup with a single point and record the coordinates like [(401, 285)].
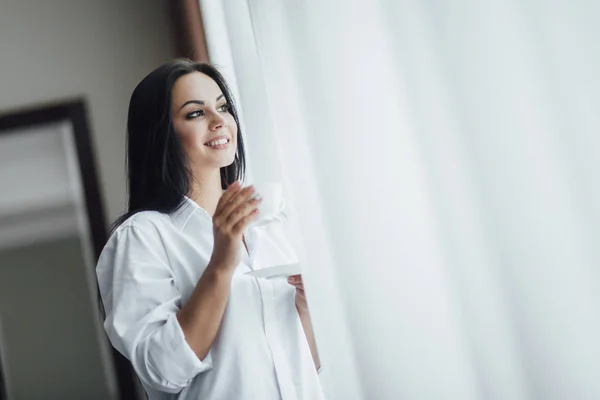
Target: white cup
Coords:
[(272, 201)]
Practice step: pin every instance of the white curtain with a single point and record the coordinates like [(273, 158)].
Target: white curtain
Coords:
[(440, 159)]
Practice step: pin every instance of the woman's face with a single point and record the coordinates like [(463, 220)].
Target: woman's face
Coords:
[(203, 123)]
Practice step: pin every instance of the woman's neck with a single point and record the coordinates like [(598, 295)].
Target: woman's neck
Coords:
[(206, 191)]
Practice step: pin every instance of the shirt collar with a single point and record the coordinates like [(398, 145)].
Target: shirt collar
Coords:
[(182, 215)]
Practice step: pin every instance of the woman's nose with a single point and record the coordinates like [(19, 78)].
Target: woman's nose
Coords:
[(217, 122)]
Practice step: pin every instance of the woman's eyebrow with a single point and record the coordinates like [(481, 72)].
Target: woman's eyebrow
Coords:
[(192, 102), (200, 102)]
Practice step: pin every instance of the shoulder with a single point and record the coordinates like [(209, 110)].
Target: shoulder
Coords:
[(144, 220), (135, 254), (147, 224), (140, 233), (134, 250)]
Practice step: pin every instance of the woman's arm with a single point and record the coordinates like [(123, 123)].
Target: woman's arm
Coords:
[(302, 307), (310, 337), (201, 315)]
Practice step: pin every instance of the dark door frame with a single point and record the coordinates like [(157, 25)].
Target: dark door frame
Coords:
[(75, 112)]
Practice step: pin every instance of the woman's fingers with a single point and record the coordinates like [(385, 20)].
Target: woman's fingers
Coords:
[(243, 210), (227, 195), (241, 224), (230, 213), (301, 293), (238, 199), (296, 280)]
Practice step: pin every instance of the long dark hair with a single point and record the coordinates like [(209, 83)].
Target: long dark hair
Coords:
[(157, 168)]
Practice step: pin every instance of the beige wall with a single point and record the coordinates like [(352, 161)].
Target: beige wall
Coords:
[(98, 49)]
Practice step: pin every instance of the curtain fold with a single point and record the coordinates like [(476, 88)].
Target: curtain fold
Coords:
[(440, 160)]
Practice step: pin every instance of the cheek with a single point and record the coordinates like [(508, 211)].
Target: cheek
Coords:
[(191, 135), (233, 129)]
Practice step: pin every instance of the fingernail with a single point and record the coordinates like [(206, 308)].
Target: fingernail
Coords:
[(290, 279)]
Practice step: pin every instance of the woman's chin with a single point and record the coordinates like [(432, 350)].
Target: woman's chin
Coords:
[(223, 161), (214, 159)]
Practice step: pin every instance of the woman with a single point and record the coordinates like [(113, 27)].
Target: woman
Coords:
[(171, 276)]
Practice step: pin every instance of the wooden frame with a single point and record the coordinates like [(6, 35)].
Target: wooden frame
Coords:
[(188, 30), (75, 112)]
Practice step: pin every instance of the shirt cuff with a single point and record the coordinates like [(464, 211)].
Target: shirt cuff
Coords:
[(176, 360)]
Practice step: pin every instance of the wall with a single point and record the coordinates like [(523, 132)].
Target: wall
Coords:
[(59, 49), (48, 333)]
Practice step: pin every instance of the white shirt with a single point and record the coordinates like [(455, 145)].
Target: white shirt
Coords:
[(148, 270)]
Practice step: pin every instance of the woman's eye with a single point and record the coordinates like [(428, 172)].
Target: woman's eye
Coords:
[(223, 108), (195, 114)]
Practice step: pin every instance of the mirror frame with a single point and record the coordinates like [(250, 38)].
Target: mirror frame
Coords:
[(75, 111)]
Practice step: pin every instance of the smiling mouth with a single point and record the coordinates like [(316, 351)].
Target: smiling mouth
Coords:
[(220, 143)]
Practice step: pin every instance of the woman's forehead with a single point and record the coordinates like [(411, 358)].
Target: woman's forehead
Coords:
[(196, 86)]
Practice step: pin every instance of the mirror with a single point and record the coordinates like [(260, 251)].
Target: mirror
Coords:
[(52, 229)]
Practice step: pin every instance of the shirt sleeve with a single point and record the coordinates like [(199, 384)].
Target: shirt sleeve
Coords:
[(141, 301)]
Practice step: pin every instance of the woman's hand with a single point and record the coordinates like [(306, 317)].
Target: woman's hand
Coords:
[(296, 281), (235, 210), (200, 317)]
